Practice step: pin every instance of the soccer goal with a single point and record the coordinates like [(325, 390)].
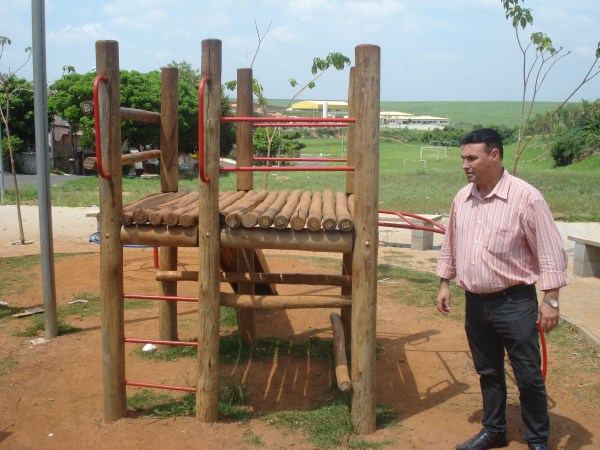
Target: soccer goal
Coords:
[(439, 152)]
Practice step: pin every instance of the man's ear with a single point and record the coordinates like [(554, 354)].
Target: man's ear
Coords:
[(495, 153)]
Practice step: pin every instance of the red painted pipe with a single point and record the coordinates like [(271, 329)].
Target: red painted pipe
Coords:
[(201, 162), (97, 127), (288, 169), (288, 119), (544, 351), (159, 342), (160, 386), (160, 297)]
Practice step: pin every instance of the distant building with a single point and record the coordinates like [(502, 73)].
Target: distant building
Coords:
[(322, 108), (395, 119)]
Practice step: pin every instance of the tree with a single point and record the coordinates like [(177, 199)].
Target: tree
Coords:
[(9, 89), (539, 56), (319, 67)]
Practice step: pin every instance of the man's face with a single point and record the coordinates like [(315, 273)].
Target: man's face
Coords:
[(479, 165)]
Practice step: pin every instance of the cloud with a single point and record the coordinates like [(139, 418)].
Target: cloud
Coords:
[(71, 34)]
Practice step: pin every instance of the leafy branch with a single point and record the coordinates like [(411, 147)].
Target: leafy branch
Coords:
[(534, 72)]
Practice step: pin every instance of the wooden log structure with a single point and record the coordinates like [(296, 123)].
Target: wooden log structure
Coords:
[(342, 375), (280, 210), (230, 229)]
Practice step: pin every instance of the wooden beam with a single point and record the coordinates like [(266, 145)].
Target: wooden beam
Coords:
[(319, 241), (284, 301), (339, 353), (262, 278), (139, 115), (90, 162), (111, 248)]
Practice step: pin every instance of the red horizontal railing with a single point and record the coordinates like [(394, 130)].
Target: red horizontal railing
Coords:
[(435, 227), (160, 386), (262, 158), (168, 298), (159, 342), (288, 169), (285, 120)]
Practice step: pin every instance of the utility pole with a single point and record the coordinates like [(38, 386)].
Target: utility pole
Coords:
[(40, 106)]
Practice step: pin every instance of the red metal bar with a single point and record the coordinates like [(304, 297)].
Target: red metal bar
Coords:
[(158, 342), (262, 158), (288, 119), (201, 164), (97, 127), (436, 227), (288, 169), (160, 386), (305, 125), (160, 297)]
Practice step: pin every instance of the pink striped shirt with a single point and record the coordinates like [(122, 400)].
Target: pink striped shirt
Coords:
[(507, 238)]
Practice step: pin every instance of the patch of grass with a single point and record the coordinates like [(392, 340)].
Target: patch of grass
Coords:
[(37, 326), (155, 404), (18, 274), (415, 288), (230, 405), (232, 350), (252, 439), (6, 364), (329, 425), (228, 317), (580, 367)]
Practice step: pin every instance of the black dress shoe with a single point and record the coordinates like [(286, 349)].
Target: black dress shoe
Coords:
[(540, 446), (484, 440)]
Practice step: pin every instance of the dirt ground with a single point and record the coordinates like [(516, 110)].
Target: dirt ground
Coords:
[(53, 397)]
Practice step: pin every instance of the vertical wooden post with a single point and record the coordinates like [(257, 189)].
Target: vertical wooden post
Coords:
[(209, 245), (169, 182), (111, 249), (346, 311), (364, 284), (245, 182)]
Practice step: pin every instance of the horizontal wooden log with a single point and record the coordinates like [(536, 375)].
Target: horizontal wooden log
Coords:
[(342, 374), (90, 162), (160, 236), (271, 278), (319, 241), (140, 115), (284, 301)]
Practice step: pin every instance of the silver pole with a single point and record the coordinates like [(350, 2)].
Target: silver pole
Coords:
[(1, 169), (40, 105)]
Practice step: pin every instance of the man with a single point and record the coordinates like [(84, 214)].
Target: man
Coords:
[(501, 240)]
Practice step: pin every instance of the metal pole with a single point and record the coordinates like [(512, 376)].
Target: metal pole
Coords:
[(1, 169), (42, 157)]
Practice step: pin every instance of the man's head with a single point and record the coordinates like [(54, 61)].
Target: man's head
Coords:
[(486, 136), (482, 153)]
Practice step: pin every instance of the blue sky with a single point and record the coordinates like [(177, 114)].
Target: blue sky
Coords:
[(432, 50)]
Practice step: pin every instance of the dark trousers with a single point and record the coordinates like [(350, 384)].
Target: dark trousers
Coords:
[(507, 320)]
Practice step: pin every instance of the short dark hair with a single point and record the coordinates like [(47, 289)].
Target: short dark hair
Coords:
[(487, 136)]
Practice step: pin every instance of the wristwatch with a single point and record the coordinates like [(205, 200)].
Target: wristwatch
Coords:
[(553, 303)]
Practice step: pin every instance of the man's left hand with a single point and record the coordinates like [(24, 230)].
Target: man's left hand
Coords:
[(548, 317)]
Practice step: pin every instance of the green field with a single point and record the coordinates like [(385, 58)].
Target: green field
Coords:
[(473, 113), (405, 182)]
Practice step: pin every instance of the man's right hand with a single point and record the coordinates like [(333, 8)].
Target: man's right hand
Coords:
[(443, 298)]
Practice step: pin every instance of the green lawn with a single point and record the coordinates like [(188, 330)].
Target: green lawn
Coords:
[(405, 182)]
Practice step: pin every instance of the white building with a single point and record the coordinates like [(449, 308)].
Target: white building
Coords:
[(395, 119)]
